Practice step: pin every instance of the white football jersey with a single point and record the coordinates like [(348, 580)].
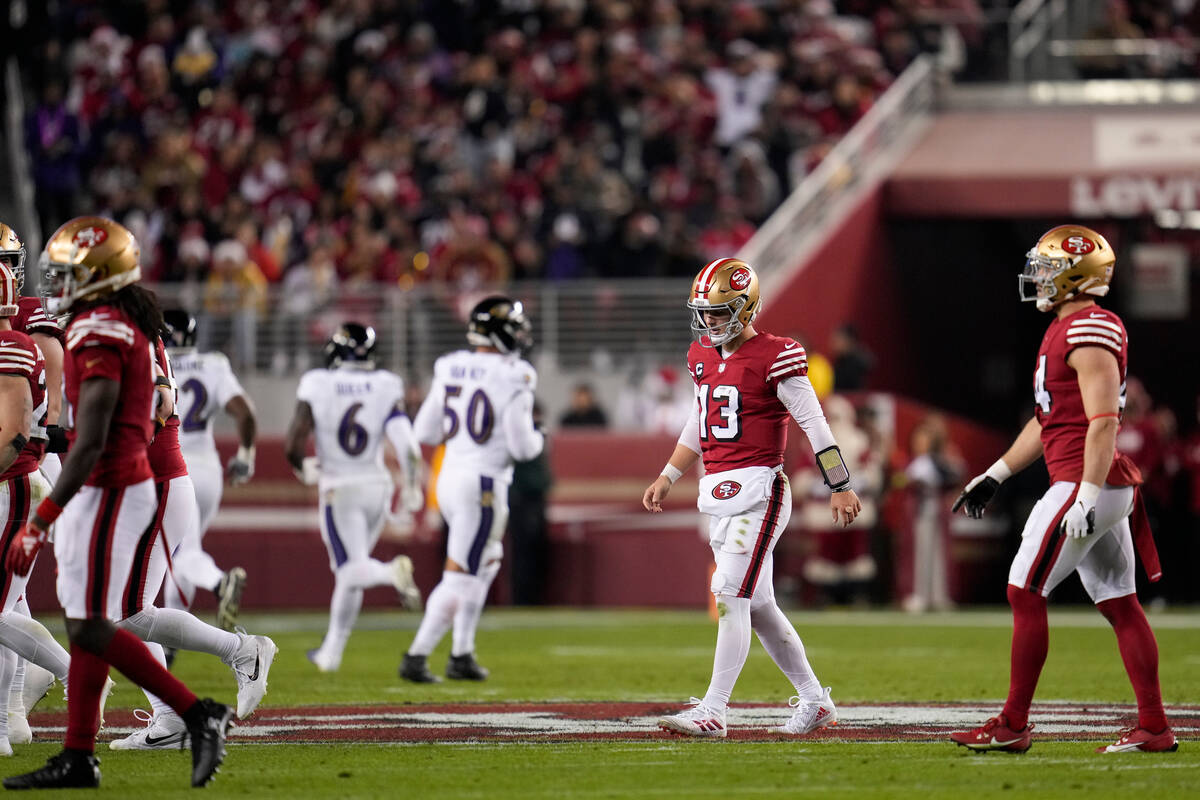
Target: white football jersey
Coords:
[(205, 383), (480, 405), (350, 407)]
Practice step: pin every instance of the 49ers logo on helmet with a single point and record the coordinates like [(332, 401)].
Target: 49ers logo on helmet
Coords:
[(726, 489), (740, 278), (89, 236), (1078, 245)]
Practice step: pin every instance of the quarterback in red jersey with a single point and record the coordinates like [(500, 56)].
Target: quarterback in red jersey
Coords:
[(747, 386), (1091, 519), (104, 497)]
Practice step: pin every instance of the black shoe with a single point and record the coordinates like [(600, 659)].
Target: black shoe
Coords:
[(169, 654), (229, 598), (465, 668), (70, 769), (207, 724), (416, 669)]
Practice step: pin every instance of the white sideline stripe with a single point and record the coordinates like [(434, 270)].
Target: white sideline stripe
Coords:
[(1090, 329), (1093, 340), (1101, 322)]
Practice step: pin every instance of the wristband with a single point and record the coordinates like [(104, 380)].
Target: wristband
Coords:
[(245, 454), (163, 382), (48, 510), (833, 469), (999, 472), (18, 442), (1088, 494), (672, 473)]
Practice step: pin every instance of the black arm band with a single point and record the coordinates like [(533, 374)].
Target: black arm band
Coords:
[(18, 442), (833, 469), (56, 439), (162, 381)]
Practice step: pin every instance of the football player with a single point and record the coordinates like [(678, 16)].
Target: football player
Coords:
[(480, 406), (352, 406), (208, 385), (104, 498), (747, 386), (1083, 522), (249, 657)]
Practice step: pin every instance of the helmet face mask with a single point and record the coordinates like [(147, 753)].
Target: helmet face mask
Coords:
[(9, 293), (12, 254), (726, 286), (353, 344), (500, 323), (1067, 261)]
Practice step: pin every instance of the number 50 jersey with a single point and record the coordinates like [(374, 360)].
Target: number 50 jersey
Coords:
[(350, 406), (481, 405)]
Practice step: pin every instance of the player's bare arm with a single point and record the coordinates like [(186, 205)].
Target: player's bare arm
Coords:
[(1099, 378), (979, 491), (52, 354), (296, 442), (16, 417), (97, 401), (241, 468), (683, 459)]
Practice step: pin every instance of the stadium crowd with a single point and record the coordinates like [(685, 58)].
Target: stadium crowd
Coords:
[(399, 142)]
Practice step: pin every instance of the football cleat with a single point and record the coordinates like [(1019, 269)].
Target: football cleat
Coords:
[(809, 715), (406, 587), (1143, 740), (37, 685), (250, 666), (19, 731), (323, 662), (995, 735), (416, 669), (465, 668), (207, 729), (5, 747), (699, 720), (163, 731), (70, 769), (229, 598)]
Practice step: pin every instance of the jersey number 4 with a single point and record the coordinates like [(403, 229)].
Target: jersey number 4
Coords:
[(479, 419), (1041, 395), (724, 405)]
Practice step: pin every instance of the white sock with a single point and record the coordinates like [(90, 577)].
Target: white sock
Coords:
[(171, 627), (733, 645), (440, 610), (783, 645), (470, 608), (194, 567), (157, 706), (8, 666), (16, 690), (365, 573), (29, 639), (343, 612)]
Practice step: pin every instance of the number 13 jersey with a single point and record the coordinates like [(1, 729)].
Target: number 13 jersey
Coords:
[(350, 406)]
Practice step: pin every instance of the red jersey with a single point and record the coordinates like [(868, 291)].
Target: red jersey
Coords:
[(1059, 401), (742, 421), (166, 459), (31, 318), (103, 342), (21, 357)]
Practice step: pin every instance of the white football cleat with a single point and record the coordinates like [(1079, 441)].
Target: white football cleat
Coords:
[(19, 731), (162, 732), (5, 747), (250, 666), (699, 720), (109, 685), (37, 685), (402, 579), (809, 715)]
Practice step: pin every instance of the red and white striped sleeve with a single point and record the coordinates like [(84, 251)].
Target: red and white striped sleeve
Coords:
[(18, 354), (1100, 328), (791, 361), (99, 330)]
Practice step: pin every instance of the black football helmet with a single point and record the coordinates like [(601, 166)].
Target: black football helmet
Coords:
[(351, 343), (179, 328), (500, 322)]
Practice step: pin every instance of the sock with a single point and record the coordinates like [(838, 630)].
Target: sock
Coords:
[(1139, 651), (440, 610), (16, 690), (174, 628), (129, 655), (343, 612), (365, 573), (8, 668), (29, 639), (733, 645), (157, 706), (783, 645), (470, 608), (1030, 643), (88, 673), (193, 567)]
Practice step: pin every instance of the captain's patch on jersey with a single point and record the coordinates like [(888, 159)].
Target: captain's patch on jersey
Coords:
[(726, 489), (699, 368)]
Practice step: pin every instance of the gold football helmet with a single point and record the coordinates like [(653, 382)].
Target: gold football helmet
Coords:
[(12, 253), (1066, 262), (728, 284), (88, 257)]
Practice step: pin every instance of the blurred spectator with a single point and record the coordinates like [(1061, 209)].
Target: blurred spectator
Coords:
[(233, 299), (933, 473), (585, 410), (741, 89), (852, 361), (54, 140), (1116, 25)]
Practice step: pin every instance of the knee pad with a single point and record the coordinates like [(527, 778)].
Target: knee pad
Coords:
[(730, 574)]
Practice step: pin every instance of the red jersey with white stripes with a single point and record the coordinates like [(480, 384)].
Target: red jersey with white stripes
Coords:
[(166, 459), (743, 423), (1059, 401), (31, 318), (19, 356), (103, 342)]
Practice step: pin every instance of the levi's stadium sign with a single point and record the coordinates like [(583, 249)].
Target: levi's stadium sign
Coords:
[(1134, 195)]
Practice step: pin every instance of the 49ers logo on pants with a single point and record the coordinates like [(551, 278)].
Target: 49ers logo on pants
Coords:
[(726, 489)]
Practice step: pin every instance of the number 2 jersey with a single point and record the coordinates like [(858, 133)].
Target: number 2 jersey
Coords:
[(351, 407), (1059, 401), (480, 405), (206, 383)]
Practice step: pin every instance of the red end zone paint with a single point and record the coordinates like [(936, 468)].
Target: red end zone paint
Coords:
[(556, 722)]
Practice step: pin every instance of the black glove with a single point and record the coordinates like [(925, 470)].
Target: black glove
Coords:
[(976, 496), (56, 439)]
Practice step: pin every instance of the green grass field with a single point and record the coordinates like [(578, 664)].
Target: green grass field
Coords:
[(665, 657)]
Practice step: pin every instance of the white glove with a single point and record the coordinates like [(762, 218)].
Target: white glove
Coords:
[(240, 468), (310, 471), (1080, 519)]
